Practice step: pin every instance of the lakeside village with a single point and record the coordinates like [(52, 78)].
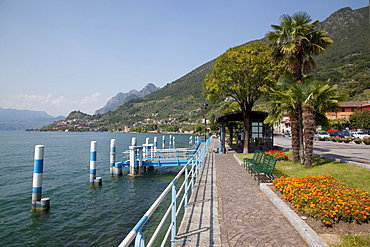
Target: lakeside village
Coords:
[(86, 123), (81, 122)]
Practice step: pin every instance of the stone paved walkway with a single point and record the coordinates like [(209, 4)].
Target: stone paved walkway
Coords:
[(246, 216), (228, 209)]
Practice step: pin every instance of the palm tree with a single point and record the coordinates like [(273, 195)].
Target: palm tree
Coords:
[(314, 99), (319, 98), (287, 98), (294, 42)]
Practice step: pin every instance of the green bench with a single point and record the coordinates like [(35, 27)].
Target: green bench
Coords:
[(257, 158), (266, 167)]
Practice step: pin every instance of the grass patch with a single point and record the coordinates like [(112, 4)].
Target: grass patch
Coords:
[(354, 176), (354, 240)]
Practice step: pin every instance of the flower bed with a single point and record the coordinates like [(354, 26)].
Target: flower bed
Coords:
[(325, 198), (278, 154)]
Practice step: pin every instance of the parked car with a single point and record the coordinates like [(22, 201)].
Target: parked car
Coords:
[(321, 134), (286, 134), (342, 134), (359, 134)]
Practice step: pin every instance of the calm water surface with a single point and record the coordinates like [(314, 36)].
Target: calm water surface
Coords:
[(80, 214)]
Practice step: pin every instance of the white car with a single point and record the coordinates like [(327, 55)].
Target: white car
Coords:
[(359, 134), (321, 134)]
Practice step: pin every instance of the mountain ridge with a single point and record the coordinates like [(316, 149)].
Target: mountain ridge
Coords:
[(121, 98)]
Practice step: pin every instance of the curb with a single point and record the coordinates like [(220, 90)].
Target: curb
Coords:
[(306, 232)]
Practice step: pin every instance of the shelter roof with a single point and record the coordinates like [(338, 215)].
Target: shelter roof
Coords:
[(238, 116)]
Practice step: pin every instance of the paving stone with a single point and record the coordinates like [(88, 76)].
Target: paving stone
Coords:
[(230, 210)]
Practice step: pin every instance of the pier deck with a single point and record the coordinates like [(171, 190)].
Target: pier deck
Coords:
[(227, 208)]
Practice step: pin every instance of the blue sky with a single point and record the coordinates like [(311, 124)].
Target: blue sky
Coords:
[(63, 55)]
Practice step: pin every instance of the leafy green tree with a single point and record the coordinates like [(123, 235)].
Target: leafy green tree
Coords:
[(360, 120), (243, 73), (294, 42), (339, 123)]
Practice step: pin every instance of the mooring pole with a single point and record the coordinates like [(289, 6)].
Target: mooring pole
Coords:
[(37, 175), (92, 161), (38, 167), (155, 144), (112, 168)]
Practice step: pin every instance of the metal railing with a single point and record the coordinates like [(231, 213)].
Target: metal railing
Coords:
[(190, 172), (152, 153)]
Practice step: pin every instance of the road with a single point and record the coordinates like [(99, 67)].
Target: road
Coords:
[(351, 153)]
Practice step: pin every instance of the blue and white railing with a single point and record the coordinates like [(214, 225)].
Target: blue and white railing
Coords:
[(190, 172)]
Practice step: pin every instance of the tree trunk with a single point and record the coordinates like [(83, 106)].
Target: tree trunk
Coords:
[(294, 128), (301, 142), (308, 114), (247, 128)]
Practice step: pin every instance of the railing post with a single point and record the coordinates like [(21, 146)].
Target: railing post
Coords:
[(192, 174), (140, 239), (173, 215), (186, 188)]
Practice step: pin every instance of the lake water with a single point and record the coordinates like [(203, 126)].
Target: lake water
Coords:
[(80, 214)]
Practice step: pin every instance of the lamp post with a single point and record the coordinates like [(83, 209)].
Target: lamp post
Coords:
[(205, 121)]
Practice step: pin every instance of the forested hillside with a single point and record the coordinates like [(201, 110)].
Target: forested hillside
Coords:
[(181, 100), (346, 63)]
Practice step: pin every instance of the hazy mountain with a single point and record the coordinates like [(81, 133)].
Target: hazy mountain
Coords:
[(12, 119), (121, 98)]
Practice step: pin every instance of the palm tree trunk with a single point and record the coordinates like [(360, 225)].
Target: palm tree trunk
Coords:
[(294, 128), (308, 114), (301, 142)]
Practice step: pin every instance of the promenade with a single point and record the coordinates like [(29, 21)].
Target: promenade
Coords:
[(227, 208)]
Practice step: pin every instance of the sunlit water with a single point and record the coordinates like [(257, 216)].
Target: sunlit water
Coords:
[(80, 214)]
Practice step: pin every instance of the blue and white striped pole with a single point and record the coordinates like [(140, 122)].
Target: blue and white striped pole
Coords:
[(132, 156), (37, 175), (112, 156), (173, 142), (147, 154), (115, 169), (155, 144), (170, 142), (163, 141), (92, 161)]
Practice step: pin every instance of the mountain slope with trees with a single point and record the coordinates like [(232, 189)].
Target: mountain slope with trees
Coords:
[(346, 63)]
